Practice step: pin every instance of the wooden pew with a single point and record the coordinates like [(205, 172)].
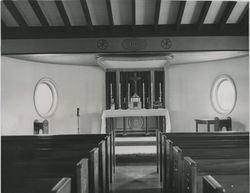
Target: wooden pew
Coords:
[(70, 154), (78, 171), (213, 161), (231, 175), (180, 136), (39, 185), (217, 141), (210, 185), (63, 142)]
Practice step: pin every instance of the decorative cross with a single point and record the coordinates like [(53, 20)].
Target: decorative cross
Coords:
[(135, 79)]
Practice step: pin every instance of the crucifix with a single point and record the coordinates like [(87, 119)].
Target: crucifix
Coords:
[(135, 79)]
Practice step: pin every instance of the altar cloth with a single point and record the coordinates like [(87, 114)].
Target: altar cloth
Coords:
[(136, 113)]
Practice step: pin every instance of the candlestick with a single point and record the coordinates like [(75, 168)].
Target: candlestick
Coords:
[(143, 94)]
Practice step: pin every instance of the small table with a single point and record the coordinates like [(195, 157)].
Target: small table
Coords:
[(208, 122), (218, 123)]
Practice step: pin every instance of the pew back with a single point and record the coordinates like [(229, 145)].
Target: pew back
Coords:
[(56, 148), (210, 185)]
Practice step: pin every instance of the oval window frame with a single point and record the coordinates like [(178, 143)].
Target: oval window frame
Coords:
[(51, 84), (214, 94)]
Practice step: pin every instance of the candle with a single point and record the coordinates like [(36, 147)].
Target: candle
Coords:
[(128, 91), (119, 94), (160, 92), (111, 91), (152, 94), (143, 94)]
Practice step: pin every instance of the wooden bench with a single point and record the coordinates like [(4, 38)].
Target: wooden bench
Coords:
[(64, 140), (212, 161), (57, 148), (230, 175), (201, 145), (67, 153), (39, 185), (181, 136), (79, 171)]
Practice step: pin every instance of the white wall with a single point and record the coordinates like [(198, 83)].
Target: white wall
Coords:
[(77, 86), (188, 92)]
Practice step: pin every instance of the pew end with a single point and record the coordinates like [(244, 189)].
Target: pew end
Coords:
[(168, 165), (178, 169), (190, 175), (63, 186), (82, 173), (210, 185)]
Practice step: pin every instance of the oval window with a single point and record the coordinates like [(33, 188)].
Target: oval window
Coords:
[(45, 97), (223, 94)]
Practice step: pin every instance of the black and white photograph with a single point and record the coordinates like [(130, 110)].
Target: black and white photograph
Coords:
[(124, 96)]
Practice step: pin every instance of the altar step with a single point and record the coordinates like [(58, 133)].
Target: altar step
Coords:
[(134, 132), (135, 145)]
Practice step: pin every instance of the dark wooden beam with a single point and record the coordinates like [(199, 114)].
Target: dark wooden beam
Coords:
[(15, 13), (125, 31), (180, 13), (63, 13), (86, 14), (116, 45), (39, 13), (157, 13), (133, 14), (109, 9), (203, 13), (227, 13)]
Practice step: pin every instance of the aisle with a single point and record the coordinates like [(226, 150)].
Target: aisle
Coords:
[(136, 176)]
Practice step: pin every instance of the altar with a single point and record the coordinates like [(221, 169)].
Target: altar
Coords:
[(161, 113)]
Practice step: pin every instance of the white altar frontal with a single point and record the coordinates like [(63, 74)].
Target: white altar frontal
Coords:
[(161, 112)]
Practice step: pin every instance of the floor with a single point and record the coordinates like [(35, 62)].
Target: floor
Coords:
[(126, 145), (136, 174)]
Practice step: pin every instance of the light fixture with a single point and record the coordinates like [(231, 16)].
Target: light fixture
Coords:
[(133, 61)]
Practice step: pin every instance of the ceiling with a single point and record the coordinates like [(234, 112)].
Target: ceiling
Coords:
[(95, 18)]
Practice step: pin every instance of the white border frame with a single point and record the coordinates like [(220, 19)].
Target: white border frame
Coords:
[(214, 96), (51, 84)]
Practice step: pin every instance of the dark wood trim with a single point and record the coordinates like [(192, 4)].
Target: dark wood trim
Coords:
[(157, 13), (124, 31), (203, 13), (109, 9), (15, 13), (87, 14), (180, 13), (229, 8), (63, 13), (89, 45), (39, 13)]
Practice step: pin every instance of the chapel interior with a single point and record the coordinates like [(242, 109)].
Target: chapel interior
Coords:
[(124, 96)]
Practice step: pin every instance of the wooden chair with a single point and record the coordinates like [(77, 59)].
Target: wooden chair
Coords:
[(220, 123)]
